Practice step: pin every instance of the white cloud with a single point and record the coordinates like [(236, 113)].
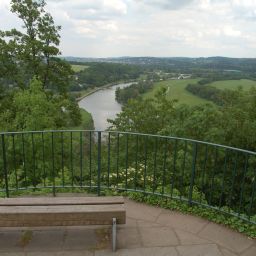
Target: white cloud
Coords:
[(91, 9), (230, 31), (151, 27), (117, 5), (166, 4), (4, 3)]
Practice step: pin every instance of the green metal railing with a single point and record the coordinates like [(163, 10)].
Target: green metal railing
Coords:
[(196, 172)]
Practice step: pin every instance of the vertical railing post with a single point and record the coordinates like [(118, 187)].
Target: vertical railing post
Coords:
[(126, 161), (90, 159), (34, 160), (43, 155), (193, 172), (71, 160), (5, 167), (81, 159), (99, 162), (14, 161), (53, 168), (109, 141)]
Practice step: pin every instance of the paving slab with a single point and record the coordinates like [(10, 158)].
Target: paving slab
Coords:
[(128, 238), (148, 224), (199, 250), (153, 251), (46, 240), (61, 253), (158, 236), (145, 212), (226, 237), (250, 251), (41, 253), (181, 221), (11, 241), (74, 253), (130, 223), (187, 238), (226, 252), (87, 238)]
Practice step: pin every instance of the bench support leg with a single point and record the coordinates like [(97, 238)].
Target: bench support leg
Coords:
[(114, 235)]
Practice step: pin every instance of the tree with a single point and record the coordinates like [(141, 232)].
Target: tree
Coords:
[(31, 109), (28, 61), (146, 116), (33, 52)]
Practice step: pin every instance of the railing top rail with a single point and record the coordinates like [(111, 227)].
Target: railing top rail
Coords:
[(136, 133)]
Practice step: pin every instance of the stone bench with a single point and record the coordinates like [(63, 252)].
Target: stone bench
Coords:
[(63, 211)]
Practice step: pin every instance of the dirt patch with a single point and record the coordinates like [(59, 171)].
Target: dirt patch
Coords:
[(103, 236), (25, 238)]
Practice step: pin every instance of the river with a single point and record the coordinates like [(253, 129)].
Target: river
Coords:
[(102, 105)]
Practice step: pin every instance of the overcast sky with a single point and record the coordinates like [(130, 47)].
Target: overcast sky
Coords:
[(165, 28)]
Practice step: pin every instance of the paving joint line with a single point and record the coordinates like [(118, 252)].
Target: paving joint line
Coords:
[(156, 218), (246, 249), (220, 247), (140, 236), (204, 226), (178, 238)]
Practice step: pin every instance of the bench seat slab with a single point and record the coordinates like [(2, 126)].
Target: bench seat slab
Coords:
[(61, 215), (61, 200)]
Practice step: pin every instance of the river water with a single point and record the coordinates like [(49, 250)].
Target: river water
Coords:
[(102, 105)]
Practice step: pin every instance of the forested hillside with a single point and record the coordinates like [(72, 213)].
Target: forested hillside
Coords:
[(183, 65), (99, 74), (133, 91)]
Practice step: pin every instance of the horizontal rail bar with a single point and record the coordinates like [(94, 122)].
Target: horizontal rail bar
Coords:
[(135, 133)]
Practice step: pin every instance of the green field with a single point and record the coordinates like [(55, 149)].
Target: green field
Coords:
[(77, 68), (177, 90), (234, 84)]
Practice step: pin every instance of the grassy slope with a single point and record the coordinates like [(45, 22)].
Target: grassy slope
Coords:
[(77, 68), (234, 84), (87, 121), (177, 90)]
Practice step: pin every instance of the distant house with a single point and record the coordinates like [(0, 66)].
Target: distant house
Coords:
[(184, 76)]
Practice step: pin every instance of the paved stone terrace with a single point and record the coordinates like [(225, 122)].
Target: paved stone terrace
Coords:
[(149, 231)]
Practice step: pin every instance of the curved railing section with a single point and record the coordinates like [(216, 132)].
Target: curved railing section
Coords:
[(196, 172)]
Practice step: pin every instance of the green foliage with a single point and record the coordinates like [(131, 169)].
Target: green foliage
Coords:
[(32, 105), (34, 109), (131, 178), (33, 81), (86, 122), (132, 92), (147, 116), (233, 124), (221, 92), (206, 92), (78, 68), (24, 55)]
